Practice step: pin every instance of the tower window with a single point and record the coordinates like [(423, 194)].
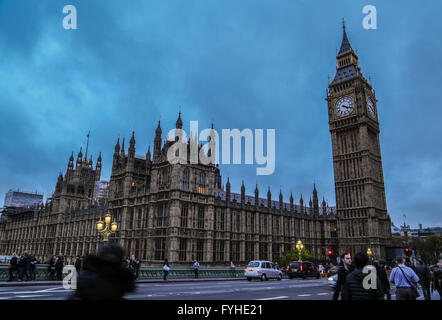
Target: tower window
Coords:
[(186, 175)]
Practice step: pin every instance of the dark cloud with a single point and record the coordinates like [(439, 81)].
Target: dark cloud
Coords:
[(242, 64)]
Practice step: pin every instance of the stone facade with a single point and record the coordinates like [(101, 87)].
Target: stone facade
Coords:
[(359, 183)]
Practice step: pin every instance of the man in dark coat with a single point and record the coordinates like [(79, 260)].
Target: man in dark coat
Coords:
[(59, 264), (354, 282), (383, 278), (77, 265), (23, 267), (13, 266), (32, 267), (103, 275), (423, 272), (343, 270)]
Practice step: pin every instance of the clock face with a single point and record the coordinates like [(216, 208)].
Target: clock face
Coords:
[(370, 107), (344, 106)]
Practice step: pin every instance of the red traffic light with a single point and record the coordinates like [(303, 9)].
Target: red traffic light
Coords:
[(330, 252)]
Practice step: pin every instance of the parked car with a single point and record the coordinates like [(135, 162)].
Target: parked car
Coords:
[(264, 270), (302, 269)]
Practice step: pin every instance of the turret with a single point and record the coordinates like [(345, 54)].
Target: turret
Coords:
[(269, 198), (256, 195), (131, 151), (228, 190), (243, 192), (157, 143)]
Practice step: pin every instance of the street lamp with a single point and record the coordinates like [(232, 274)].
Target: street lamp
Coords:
[(107, 228), (369, 252), (299, 246)]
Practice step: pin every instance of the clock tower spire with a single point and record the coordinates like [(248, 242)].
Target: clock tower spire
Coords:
[(359, 182)]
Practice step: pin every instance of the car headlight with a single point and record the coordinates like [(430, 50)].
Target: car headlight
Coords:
[(330, 278)]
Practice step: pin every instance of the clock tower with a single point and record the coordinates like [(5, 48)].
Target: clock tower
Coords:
[(363, 220)]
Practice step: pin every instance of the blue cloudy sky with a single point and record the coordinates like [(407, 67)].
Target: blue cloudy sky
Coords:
[(241, 63)]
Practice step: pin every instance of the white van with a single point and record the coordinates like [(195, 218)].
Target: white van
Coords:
[(263, 270)]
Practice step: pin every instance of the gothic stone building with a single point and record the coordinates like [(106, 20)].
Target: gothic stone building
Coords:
[(181, 212)]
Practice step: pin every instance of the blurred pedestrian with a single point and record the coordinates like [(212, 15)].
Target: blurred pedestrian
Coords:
[(32, 267), (166, 269), (232, 268), (423, 272), (13, 267), (77, 265), (134, 266), (344, 269), (23, 267), (321, 270), (354, 282), (403, 277), (437, 281), (51, 268), (380, 271), (196, 267), (59, 264), (104, 276)]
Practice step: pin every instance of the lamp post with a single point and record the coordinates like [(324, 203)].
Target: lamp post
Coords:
[(299, 247), (369, 253), (107, 228)]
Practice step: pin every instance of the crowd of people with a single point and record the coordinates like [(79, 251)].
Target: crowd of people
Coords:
[(22, 267), (405, 276)]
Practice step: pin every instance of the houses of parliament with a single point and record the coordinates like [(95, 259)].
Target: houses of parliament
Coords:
[(183, 212)]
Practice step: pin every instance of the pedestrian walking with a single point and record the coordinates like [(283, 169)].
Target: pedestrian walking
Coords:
[(380, 271), (403, 277), (51, 268), (23, 267), (344, 269), (32, 267), (13, 267), (354, 286), (423, 272), (59, 264), (321, 270), (77, 265), (232, 268), (134, 266), (437, 281), (196, 267), (104, 276), (166, 269)]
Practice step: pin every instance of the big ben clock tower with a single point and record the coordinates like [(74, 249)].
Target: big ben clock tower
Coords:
[(359, 182)]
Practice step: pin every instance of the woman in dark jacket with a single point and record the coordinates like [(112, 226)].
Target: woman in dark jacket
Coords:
[(104, 276), (52, 267)]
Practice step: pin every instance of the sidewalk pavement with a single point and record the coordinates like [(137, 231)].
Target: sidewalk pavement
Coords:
[(52, 283)]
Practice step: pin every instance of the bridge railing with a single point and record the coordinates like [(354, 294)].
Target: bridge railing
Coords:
[(145, 273)]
